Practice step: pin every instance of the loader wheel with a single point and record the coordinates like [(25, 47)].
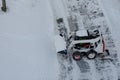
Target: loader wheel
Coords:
[(91, 54), (77, 56)]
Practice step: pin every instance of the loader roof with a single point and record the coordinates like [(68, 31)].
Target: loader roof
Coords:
[(82, 33)]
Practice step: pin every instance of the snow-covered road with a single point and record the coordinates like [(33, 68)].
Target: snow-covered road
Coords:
[(27, 50), (26, 41), (96, 69), (112, 12)]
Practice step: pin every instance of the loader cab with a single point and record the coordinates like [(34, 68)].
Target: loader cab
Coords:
[(86, 35), (85, 39)]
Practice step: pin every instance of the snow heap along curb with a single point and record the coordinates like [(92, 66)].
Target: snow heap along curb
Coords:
[(74, 15)]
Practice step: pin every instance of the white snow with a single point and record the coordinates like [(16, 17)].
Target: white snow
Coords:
[(26, 41), (107, 7), (27, 50), (112, 13)]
